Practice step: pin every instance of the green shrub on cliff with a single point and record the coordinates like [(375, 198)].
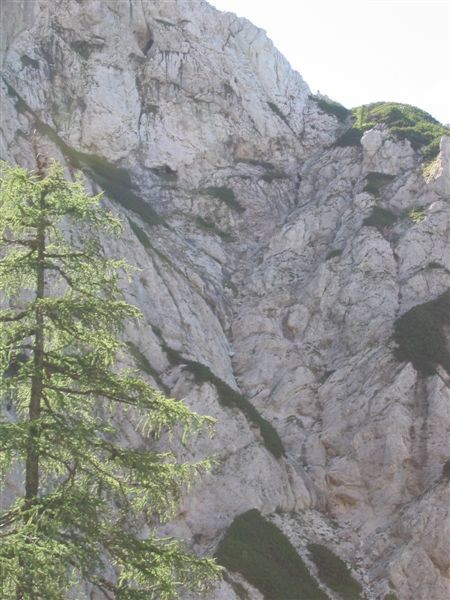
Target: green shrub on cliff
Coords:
[(404, 121)]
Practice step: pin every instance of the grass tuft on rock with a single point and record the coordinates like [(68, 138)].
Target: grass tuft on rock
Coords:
[(417, 215), (420, 335), (266, 558), (334, 573)]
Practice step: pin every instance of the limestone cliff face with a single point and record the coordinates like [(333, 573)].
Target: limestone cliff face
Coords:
[(257, 260)]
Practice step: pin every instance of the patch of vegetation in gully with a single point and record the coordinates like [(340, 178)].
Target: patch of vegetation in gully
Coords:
[(334, 573), (266, 558), (420, 335)]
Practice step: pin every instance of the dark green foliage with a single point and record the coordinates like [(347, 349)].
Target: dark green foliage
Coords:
[(332, 108), (85, 492), (352, 137), (376, 181), (390, 596), (420, 335), (212, 227), (139, 233), (432, 149), (391, 114), (29, 62), (259, 551), (380, 218), (274, 108), (334, 572), (419, 135), (231, 399), (225, 194), (333, 254), (405, 122)]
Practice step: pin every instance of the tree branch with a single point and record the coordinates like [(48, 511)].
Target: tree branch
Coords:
[(29, 243), (17, 317)]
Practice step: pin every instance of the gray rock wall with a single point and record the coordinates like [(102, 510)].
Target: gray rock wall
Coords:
[(262, 269)]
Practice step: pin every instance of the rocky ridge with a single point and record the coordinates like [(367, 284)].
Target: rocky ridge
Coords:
[(259, 261)]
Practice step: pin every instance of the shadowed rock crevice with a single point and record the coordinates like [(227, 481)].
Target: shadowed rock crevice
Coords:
[(301, 244)]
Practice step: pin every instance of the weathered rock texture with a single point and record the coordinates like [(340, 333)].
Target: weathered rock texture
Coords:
[(248, 226)]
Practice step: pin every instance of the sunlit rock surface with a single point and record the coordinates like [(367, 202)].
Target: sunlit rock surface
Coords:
[(247, 225)]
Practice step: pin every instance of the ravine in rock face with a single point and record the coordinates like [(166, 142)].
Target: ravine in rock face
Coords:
[(278, 254)]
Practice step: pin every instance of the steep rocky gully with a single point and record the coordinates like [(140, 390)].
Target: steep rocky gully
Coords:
[(274, 266)]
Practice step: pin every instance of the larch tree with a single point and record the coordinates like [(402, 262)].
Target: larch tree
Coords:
[(80, 517)]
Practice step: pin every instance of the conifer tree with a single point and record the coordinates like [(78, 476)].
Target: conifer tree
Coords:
[(85, 491)]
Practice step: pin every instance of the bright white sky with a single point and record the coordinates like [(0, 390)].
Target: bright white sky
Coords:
[(361, 51)]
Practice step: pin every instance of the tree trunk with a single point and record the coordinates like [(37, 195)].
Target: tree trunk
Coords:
[(32, 463), (25, 589)]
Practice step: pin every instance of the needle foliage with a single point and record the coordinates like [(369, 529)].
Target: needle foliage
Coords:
[(89, 498)]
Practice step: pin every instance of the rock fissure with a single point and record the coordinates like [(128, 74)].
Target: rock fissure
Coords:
[(299, 305)]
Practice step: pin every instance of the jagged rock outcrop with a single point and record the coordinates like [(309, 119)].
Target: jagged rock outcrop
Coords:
[(262, 259)]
